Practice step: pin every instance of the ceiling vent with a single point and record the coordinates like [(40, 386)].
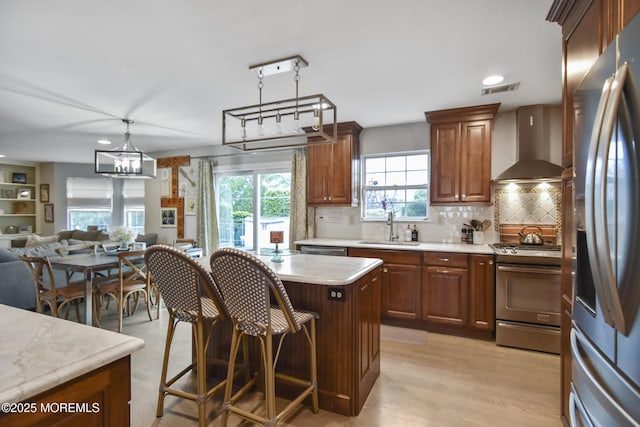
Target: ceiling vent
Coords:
[(502, 88)]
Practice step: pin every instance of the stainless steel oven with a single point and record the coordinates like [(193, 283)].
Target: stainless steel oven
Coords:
[(528, 298)]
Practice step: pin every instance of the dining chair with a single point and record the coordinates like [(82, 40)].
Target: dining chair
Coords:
[(247, 285), (47, 292), (189, 296), (132, 281)]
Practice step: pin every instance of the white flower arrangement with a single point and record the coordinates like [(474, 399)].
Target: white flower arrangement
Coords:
[(123, 234)]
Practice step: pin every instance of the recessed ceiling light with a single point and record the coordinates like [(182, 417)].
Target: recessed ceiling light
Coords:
[(492, 80), (1, 155), (104, 142)]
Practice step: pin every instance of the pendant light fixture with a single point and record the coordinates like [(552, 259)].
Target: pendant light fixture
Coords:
[(292, 122), (125, 161)]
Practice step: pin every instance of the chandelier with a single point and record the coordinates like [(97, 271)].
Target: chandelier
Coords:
[(292, 122), (125, 161)]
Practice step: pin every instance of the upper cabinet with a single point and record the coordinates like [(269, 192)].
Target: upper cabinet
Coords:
[(461, 154), (333, 172), (17, 199)]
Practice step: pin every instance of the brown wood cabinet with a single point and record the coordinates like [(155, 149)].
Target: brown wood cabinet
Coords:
[(442, 292), (369, 311), (445, 288), (461, 154), (482, 295), (99, 398), (400, 281), (588, 27), (333, 174)]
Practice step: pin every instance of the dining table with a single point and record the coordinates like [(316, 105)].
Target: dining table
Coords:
[(88, 265)]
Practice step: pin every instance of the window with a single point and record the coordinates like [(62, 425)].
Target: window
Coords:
[(250, 205), (133, 194), (105, 203), (89, 202), (397, 182)]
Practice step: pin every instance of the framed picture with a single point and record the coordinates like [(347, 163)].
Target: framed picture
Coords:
[(19, 178), (168, 217), (44, 193), (190, 205), (24, 193), (48, 212)]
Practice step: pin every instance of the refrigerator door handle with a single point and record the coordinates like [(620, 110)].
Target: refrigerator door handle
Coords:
[(616, 107), (580, 346), (591, 186), (575, 407)]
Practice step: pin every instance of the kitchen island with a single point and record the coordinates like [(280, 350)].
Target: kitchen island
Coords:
[(346, 293), (55, 371)]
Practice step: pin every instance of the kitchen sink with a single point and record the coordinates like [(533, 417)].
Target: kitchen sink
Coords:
[(387, 242)]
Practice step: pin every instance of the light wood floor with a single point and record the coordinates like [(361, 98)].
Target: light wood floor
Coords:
[(427, 379)]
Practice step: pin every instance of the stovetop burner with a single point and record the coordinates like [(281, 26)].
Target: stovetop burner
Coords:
[(527, 254), (512, 248)]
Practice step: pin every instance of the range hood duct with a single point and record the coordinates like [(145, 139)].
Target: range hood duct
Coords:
[(533, 147)]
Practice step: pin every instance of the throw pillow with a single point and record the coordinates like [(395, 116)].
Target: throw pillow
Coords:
[(35, 240)]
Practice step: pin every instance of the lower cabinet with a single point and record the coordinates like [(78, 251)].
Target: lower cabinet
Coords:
[(482, 296), (445, 295), (442, 292), (400, 281)]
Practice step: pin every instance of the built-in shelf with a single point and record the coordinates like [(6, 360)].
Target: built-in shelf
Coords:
[(18, 213)]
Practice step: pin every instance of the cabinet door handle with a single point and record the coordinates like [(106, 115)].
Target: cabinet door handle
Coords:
[(384, 270), (464, 196), (491, 262), (443, 259), (375, 279), (443, 271)]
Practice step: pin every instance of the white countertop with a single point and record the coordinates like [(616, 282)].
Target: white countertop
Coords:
[(317, 269), (422, 246), (39, 352)]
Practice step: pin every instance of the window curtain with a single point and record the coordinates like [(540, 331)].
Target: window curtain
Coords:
[(207, 227), (302, 222), (94, 193), (133, 193)]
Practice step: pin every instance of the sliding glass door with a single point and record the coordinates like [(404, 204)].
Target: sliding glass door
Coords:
[(250, 205)]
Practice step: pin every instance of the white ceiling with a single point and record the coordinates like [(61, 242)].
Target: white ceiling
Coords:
[(70, 69)]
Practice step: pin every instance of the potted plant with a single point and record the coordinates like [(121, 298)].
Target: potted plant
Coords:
[(124, 235)]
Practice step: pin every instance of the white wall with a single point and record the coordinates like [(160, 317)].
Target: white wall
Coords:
[(444, 224)]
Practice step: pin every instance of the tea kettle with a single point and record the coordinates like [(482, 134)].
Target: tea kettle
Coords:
[(531, 238)]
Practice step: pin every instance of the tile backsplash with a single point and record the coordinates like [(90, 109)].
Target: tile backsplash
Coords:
[(528, 203), (444, 224), (513, 204)]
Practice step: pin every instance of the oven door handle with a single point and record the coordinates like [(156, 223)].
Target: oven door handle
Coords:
[(535, 270)]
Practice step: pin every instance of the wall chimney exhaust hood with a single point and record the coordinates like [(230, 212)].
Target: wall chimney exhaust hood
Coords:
[(533, 148)]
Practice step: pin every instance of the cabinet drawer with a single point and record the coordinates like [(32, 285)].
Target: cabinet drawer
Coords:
[(388, 256), (449, 259)]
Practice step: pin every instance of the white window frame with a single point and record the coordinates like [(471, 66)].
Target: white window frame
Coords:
[(366, 187), (254, 172)]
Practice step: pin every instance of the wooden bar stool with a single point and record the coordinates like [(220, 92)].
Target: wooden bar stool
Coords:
[(190, 296), (247, 284)]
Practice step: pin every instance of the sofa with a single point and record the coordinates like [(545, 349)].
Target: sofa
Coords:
[(17, 287)]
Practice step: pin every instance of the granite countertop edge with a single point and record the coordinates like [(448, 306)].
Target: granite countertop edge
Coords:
[(421, 246), (23, 380)]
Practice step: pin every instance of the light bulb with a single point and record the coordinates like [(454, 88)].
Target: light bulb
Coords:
[(260, 126), (278, 123), (243, 124), (296, 123)]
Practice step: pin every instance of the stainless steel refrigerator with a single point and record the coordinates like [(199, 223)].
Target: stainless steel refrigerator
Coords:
[(605, 337)]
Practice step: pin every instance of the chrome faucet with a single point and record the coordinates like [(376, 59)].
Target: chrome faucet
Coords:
[(392, 237)]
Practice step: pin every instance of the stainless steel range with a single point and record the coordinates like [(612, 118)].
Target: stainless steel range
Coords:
[(528, 297)]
